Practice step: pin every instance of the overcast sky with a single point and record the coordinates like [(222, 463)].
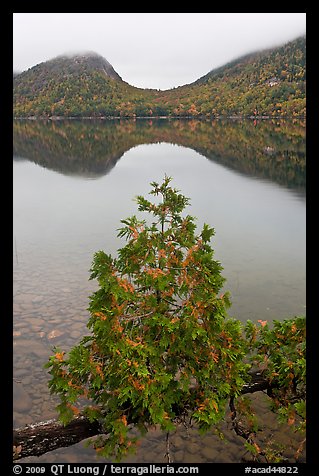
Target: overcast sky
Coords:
[(152, 50)]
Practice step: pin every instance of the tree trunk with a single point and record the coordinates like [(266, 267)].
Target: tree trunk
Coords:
[(40, 438)]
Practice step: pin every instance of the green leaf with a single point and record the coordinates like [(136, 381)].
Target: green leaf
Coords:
[(207, 233)]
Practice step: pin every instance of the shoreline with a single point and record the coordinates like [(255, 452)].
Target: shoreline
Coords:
[(201, 118)]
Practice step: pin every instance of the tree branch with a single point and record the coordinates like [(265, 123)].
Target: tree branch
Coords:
[(40, 438)]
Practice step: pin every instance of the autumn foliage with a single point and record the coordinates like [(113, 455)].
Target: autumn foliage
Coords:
[(161, 347), (269, 83)]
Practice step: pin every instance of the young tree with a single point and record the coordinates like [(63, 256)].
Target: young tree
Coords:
[(161, 349)]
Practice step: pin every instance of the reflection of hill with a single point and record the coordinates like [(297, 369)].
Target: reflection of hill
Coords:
[(273, 150)]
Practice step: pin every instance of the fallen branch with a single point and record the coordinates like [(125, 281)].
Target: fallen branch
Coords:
[(45, 436)]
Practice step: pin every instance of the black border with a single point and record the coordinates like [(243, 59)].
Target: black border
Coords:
[(312, 254)]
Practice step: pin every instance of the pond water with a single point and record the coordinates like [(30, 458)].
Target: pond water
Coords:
[(73, 183)]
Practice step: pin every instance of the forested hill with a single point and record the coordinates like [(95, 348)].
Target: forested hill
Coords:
[(265, 83)]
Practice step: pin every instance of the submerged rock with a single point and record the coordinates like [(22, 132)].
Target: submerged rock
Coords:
[(55, 333), (21, 400)]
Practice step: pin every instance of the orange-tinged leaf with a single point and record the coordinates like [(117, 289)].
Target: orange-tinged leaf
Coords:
[(291, 419), (99, 371), (132, 343), (215, 405), (161, 254), (137, 385), (214, 356), (100, 315), (123, 420), (59, 356), (257, 447), (74, 409), (262, 323), (134, 232)]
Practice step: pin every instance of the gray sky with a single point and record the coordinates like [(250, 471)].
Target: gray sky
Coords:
[(152, 50)]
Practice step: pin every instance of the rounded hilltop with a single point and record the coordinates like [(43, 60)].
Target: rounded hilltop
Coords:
[(76, 63)]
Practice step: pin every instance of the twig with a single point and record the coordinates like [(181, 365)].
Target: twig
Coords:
[(167, 454)]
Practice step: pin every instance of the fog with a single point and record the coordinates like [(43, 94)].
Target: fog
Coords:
[(151, 50)]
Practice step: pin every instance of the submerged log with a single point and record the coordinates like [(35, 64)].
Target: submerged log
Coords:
[(46, 436)]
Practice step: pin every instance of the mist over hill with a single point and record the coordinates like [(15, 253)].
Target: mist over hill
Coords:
[(265, 83)]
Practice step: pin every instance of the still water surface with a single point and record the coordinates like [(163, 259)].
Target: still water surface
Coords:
[(75, 180)]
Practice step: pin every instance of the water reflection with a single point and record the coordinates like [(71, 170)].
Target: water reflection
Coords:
[(60, 221), (272, 150)]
